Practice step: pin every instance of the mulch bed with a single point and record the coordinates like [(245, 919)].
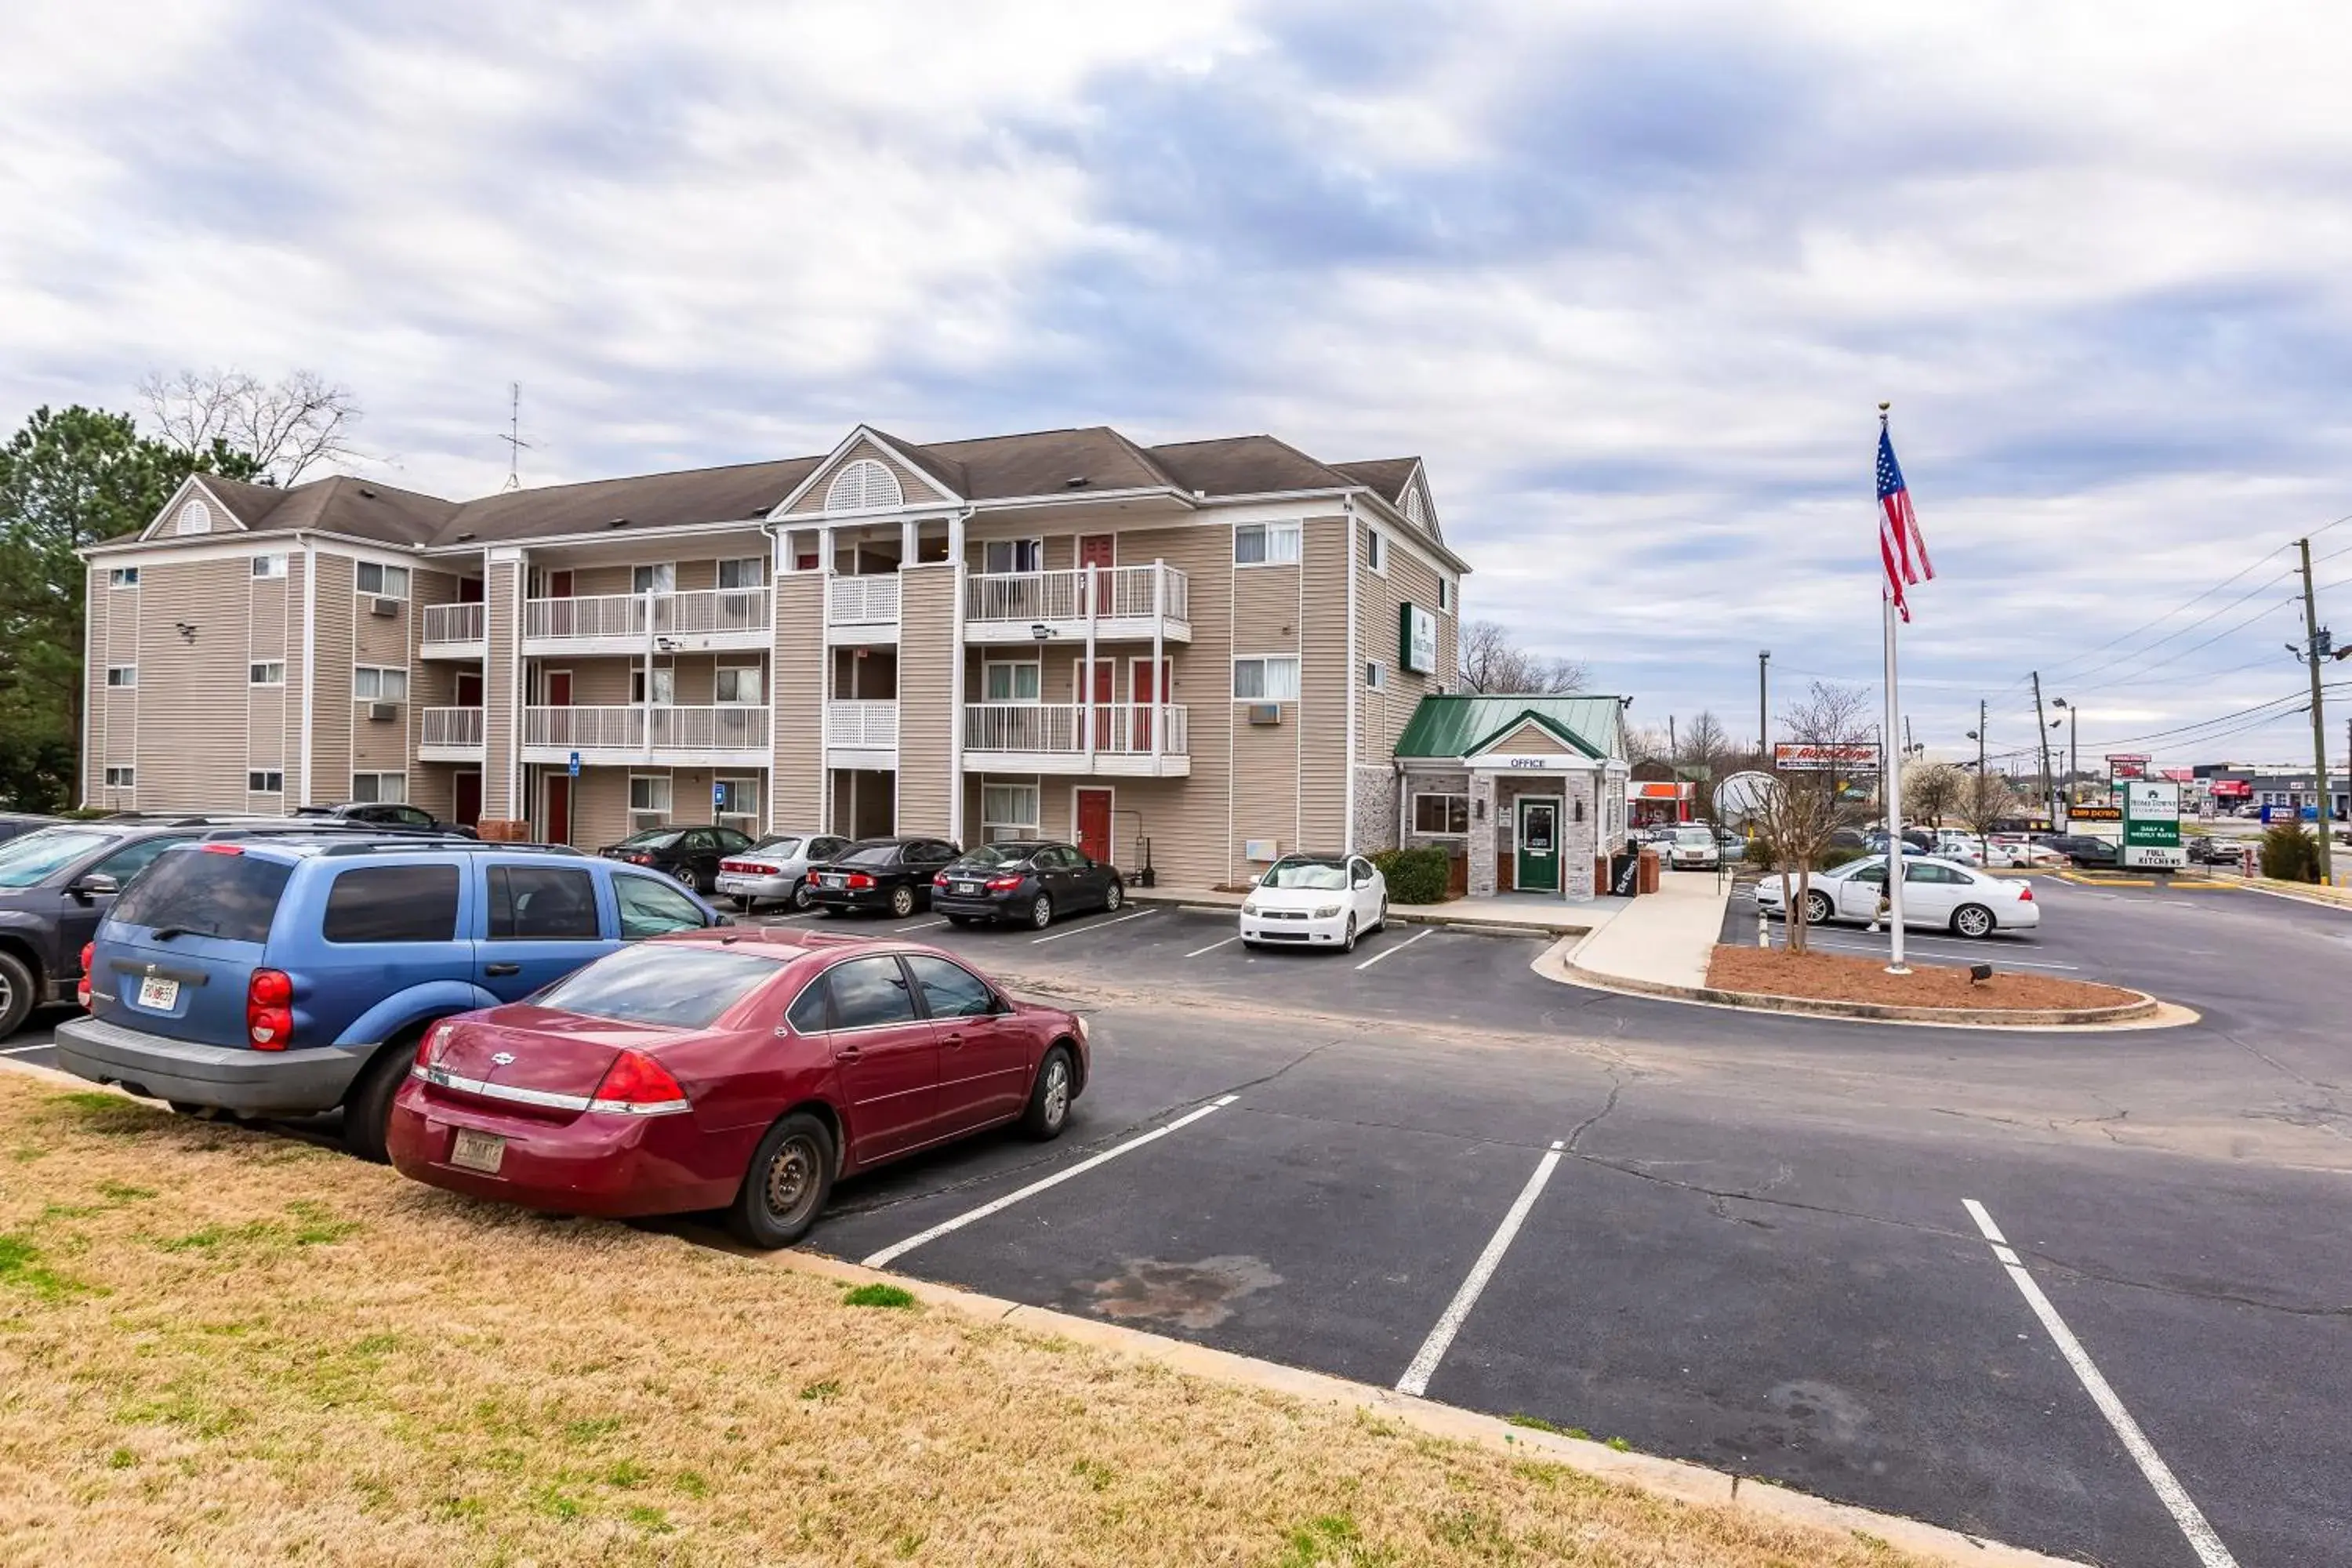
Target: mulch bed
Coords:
[(1829, 978)]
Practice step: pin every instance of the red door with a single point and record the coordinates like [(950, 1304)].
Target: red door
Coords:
[(469, 689), (469, 590), (557, 829), (886, 1054), (559, 585), (1096, 550), (467, 807), (559, 688), (1093, 823), (1146, 699)]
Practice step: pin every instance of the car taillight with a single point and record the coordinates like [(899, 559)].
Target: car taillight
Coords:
[(760, 870), (639, 1086), (1003, 884), (435, 1041), (2025, 892), (220, 848), (940, 881), (82, 991), (859, 880), (269, 1009)]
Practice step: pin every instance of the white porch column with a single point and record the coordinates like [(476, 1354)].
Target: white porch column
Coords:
[(1086, 680), (1158, 715), (955, 684)]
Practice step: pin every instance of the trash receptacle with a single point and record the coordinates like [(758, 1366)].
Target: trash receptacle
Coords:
[(1624, 874)]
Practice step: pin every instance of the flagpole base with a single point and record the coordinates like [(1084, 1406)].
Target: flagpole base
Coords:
[(1898, 969)]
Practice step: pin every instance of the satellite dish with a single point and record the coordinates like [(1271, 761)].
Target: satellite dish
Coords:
[(1741, 795)]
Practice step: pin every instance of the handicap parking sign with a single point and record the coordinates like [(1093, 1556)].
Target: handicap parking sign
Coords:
[(575, 765)]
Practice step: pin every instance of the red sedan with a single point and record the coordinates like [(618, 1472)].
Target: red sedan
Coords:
[(735, 1069)]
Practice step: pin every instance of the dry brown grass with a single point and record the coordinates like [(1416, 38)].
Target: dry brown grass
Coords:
[(222, 1346)]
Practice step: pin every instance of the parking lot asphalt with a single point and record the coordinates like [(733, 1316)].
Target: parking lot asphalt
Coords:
[(1733, 1239)]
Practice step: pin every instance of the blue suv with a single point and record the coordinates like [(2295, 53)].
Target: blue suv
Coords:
[(290, 976)]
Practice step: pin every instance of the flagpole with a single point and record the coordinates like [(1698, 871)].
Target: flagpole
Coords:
[(1891, 778)]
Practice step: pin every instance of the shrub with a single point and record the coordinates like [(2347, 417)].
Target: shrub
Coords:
[(1414, 876), (2290, 854), (1838, 855)]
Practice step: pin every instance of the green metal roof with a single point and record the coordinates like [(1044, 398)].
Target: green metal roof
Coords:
[(1457, 726)]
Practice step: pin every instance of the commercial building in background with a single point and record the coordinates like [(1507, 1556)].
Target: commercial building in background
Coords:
[(2266, 792), (1211, 648)]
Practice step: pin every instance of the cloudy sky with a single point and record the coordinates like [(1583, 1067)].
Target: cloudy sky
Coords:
[(1633, 278)]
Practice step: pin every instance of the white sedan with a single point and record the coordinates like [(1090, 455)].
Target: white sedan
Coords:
[(1942, 894), (1316, 901), (2021, 855), (1694, 848)]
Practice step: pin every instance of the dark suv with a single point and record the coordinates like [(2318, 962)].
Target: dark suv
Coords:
[(56, 883)]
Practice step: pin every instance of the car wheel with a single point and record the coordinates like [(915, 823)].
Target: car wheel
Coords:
[(1382, 924), (1818, 909), (801, 896), (1347, 936), (902, 902), (1050, 1096), (1113, 895), (1972, 921), (15, 994), (1041, 912), (367, 1110), (706, 882), (785, 1186)]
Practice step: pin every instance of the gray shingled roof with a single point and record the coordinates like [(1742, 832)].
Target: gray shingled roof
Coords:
[(746, 490), (1384, 476)]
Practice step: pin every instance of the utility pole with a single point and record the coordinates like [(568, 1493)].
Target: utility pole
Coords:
[(1981, 737), (1908, 749), (2315, 649), (1763, 711), (2041, 739), (1674, 747)]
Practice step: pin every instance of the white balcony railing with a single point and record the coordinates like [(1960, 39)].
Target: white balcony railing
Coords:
[(611, 616), (864, 724), (1071, 729), (862, 601), (453, 622), (453, 727), (726, 727), (1114, 592)]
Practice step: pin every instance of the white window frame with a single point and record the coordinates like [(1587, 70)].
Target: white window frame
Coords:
[(122, 577), (718, 681), (121, 778), (122, 677), (376, 786), (1037, 669), (1034, 546), (257, 780), (664, 580), (1271, 690), (386, 675), (1282, 543), (1413, 822), (1445, 593), (739, 814), (1376, 552), (994, 826), (758, 573), (386, 575), (665, 685), (659, 802), (266, 672), (267, 567), (1376, 676)]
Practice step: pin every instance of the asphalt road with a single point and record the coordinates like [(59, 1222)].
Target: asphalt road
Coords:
[(1739, 1239)]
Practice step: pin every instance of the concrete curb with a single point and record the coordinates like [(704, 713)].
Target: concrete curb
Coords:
[(1687, 1483), (2300, 893), (1399, 914), (2147, 1013)]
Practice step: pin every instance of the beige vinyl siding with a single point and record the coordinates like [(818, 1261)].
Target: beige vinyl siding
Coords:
[(290, 705), (1326, 685), (431, 787), (1379, 603), (796, 723), (96, 736), (381, 746), (1267, 613), (600, 805), (1528, 741), (1187, 818), (927, 653), (333, 717), (501, 726), (918, 489), (191, 738)]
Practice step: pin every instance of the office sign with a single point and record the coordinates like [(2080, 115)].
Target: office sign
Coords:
[(1793, 757), (2151, 812), (1416, 639)]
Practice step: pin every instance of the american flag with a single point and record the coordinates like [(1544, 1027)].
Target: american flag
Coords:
[(1901, 548)]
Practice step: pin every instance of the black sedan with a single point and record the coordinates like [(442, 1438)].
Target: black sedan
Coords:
[(2084, 850), (393, 816), (1030, 880), (892, 875), (691, 854)]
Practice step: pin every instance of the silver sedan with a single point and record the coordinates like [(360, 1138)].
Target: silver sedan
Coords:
[(776, 868)]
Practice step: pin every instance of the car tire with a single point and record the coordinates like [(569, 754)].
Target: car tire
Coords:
[(902, 902), (1382, 924), (367, 1108), (17, 991), (1041, 912), (1113, 896), (785, 1185), (1348, 935), (801, 896), (1818, 909), (1050, 1096), (1973, 920)]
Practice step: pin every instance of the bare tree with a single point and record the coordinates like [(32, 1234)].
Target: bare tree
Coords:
[(1491, 662), (301, 421), (1797, 817), (1702, 754), (1644, 744), (1933, 792), (1985, 801)]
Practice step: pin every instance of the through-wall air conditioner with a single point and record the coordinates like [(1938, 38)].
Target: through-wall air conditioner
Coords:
[(383, 607), (1265, 713), (382, 712)]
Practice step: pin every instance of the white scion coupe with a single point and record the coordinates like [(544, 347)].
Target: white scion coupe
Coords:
[(1939, 893), (1316, 901)]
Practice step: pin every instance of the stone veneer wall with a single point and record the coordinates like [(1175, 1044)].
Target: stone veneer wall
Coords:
[(1375, 809)]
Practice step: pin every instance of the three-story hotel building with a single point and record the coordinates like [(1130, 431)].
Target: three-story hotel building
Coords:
[(1205, 651)]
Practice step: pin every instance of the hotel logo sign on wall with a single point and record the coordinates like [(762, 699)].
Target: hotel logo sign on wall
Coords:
[(1792, 757), (1416, 639)]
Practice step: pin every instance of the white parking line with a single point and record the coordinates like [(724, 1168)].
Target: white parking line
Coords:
[(1097, 925), (1212, 947), (26, 1050), (2169, 1490), (924, 925), (1432, 1348), (900, 1248), (1397, 948)]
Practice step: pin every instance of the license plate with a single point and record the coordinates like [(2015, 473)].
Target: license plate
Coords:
[(967, 886), (159, 993), (480, 1152), (835, 881)]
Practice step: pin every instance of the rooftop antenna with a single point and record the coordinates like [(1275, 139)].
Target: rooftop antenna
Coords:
[(516, 444)]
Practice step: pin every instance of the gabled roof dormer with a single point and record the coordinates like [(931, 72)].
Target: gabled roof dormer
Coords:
[(871, 472), (194, 509)]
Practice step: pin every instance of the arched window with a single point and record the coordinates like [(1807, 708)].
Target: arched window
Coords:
[(1414, 510), (864, 486), (194, 519)]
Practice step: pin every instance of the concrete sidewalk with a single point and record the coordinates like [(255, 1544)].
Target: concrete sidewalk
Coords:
[(1517, 913), (1663, 939)]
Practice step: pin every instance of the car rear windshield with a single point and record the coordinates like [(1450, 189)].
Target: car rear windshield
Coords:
[(215, 891), (987, 855), (869, 855), (670, 985), (651, 838), (1321, 876), (782, 848), (30, 857)]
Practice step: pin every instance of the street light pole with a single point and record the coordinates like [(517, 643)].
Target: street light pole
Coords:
[(2315, 649), (2042, 738), (1763, 710)]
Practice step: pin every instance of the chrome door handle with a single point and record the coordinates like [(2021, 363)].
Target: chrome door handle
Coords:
[(847, 1054), (954, 1041)]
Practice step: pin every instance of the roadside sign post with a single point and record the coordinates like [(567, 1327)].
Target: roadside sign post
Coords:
[(2152, 825)]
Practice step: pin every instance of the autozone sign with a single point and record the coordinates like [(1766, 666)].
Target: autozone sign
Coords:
[(1797, 757)]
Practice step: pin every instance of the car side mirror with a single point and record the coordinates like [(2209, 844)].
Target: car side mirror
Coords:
[(722, 918), (95, 884), (1256, 879)]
